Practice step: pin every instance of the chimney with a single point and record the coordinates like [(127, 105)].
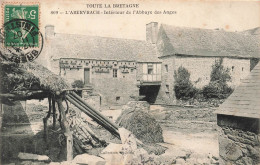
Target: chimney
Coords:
[(152, 32), (49, 31)]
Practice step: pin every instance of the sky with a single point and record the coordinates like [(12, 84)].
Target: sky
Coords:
[(230, 16), (227, 15)]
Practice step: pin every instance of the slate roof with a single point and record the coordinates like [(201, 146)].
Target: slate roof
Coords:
[(209, 42), (101, 48), (245, 100)]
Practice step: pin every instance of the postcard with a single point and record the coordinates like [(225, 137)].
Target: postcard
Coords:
[(129, 82)]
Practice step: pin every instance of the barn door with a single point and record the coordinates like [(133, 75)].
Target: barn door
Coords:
[(86, 76)]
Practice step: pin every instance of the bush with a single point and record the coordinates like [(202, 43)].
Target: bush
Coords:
[(78, 84), (183, 87), (217, 90), (219, 77)]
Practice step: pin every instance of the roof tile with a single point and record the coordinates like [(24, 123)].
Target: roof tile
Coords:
[(244, 101), (102, 48), (209, 42)]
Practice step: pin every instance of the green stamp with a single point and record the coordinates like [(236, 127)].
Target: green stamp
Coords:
[(21, 40), (17, 33)]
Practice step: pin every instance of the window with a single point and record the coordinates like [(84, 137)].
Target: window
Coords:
[(242, 68), (166, 68), (150, 69), (117, 98), (114, 72), (232, 68)]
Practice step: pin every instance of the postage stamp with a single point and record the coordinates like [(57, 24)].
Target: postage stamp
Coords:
[(21, 37)]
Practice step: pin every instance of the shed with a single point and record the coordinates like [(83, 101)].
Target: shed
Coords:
[(239, 121)]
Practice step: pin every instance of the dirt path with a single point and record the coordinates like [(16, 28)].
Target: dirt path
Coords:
[(202, 143)]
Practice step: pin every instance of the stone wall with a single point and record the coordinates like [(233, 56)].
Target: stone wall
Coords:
[(94, 100), (166, 91), (200, 69), (15, 113), (113, 90), (239, 140)]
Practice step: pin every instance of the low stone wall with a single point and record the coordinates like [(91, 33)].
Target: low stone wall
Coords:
[(239, 140), (94, 100), (137, 105)]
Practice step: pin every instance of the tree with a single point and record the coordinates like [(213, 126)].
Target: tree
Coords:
[(182, 86), (219, 73), (219, 77)]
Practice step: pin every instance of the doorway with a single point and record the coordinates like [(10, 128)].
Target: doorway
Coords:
[(86, 76)]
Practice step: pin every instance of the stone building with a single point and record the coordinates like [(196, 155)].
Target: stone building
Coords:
[(117, 69), (239, 121), (121, 69), (197, 49)]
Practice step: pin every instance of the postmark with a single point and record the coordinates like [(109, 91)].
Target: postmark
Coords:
[(21, 39)]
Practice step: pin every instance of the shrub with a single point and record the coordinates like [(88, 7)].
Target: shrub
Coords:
[(78, 84), (182, 86), (218, 88)]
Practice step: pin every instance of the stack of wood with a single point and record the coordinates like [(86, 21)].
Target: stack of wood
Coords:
[(83, 137)]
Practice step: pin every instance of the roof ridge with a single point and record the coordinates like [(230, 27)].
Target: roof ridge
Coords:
[(93, 36), (196, 28)]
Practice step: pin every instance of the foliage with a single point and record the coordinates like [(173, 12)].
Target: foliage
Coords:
[(219, 73), (78, 84), (183, 86), (218, 88)]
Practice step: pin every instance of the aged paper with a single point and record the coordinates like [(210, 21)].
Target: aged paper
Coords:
[(129, 82)]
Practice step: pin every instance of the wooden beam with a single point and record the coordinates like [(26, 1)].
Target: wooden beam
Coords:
[(66, 129), (25, 95), (45, 121), (53, 113)]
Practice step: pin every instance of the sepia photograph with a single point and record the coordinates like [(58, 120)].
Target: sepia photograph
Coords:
[(130, 82)]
